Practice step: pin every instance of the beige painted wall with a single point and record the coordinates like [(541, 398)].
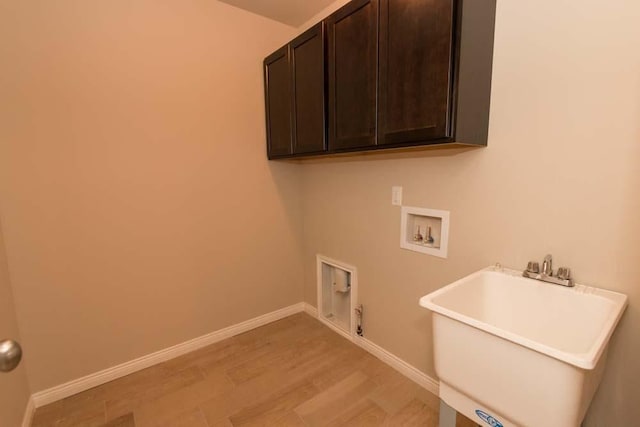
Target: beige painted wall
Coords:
[(561, 175), (14, 388), (139, 207)]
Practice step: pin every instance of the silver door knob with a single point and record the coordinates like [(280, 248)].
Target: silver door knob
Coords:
[(10, 355)]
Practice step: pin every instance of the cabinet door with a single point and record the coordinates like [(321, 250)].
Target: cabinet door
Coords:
[(352, 63), (307, 62), (277, 82), (416, 39)]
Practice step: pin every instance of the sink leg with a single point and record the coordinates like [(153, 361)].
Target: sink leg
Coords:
[(447, 415)]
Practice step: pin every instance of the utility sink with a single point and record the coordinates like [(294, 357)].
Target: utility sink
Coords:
[(512, 351)]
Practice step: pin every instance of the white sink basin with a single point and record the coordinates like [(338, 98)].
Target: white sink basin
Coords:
[(514, 351)]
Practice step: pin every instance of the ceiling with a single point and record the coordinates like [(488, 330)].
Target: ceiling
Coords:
[(290, 12)]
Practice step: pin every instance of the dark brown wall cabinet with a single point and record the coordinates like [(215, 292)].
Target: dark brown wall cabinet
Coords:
[(352, 64), (398, 74), (295, 96), (416, 48)]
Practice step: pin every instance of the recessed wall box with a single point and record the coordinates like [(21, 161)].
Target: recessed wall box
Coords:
[(425, 230), (337, 295)]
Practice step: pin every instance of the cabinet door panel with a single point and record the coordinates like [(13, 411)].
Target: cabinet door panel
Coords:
[(352, 58), (278, 103), (307, 57), (416, 39)]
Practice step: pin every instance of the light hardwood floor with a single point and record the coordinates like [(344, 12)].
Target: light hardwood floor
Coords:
[(294, 372)]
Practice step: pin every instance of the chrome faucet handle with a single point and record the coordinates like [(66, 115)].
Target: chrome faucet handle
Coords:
[(564, 273), (533, 267), (547, 267)]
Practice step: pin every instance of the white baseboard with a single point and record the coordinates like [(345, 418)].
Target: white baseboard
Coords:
[(390, 359), (28, 413), (313, 312), (310, 310), (399, 365), (79, 385)]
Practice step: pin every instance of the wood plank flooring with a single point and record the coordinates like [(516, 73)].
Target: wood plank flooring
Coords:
[(294, 372)]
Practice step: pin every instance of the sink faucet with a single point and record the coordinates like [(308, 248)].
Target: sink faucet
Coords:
[(546, 265), (562, 277)]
